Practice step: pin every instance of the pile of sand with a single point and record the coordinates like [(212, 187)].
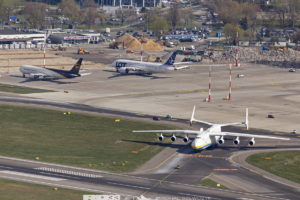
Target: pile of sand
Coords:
[(131, 42)]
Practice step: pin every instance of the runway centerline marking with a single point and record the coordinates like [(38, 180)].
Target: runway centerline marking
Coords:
[(126, 185), (31, 175), (195, 196)]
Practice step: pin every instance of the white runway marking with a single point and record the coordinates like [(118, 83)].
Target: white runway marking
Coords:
[(74, 173), (31, 175), (133, 186), (195, 196)]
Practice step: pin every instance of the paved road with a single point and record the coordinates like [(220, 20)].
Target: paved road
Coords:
[(165, 180)]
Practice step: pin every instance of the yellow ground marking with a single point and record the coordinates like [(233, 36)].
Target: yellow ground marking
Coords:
[(274, 84)]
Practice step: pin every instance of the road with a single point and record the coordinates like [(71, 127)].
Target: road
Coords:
[(163, 180)]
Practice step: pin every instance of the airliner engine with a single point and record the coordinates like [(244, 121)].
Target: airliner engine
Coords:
[(173, 138), (161, 137), (252, 142), (236, 141), (221, 140)]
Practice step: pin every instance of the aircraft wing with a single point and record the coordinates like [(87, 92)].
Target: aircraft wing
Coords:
[(248, 135), (181, 67), (183, 132), (178, 63)]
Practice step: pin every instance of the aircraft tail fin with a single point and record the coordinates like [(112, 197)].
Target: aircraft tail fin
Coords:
[(192, 117), (171, 59), (76, 67)]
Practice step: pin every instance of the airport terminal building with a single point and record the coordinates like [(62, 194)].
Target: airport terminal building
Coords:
[(18, 36), (74, 38)]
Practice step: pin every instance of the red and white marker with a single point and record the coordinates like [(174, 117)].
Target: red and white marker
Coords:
[(209, 85), (230, 78), (44, 55)]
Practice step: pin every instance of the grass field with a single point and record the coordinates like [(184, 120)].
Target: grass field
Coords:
[(20, 89), (285, 163), (210, 183), (76, 139), (12, 190)]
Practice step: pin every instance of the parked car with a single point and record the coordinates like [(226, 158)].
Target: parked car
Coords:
[(191, 60), (292, 70), (155, 118), (136, 34), (169, 117)]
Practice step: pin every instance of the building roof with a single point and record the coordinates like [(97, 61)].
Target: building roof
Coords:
[(15, 31)]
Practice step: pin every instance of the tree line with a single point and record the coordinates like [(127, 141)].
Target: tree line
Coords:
[(243, 17), (38, 14)]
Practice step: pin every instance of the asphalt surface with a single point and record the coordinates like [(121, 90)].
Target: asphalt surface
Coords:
[(165, 181)]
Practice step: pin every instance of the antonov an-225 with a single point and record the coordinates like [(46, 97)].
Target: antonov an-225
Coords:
[(211, 136)]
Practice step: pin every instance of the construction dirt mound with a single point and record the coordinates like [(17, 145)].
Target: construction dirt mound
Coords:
[(131, 42)]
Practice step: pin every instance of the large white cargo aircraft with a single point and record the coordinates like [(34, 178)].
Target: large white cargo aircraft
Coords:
[(138, 67), (35, 72), (211, 136)]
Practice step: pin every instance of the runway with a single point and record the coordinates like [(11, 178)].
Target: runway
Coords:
[(103, 182)]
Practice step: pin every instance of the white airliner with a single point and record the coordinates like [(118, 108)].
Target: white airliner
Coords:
[(35, 72), (126, 66), (211, 136)]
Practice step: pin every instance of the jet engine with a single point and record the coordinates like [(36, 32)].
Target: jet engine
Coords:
[(221, 140), (123, 70), (32, 76), (185, 139), (252, 142), (161, 137), (236, 141), (173, 138)]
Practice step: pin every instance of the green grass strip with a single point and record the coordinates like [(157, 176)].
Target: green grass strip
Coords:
[(20, 89), (76, 139), (285, 164), (210, 183), (13, 190)]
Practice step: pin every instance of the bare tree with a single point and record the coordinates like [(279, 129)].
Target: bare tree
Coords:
[(174, 15), (91, 16), (124, 14), (159, 26), (228, 10), (233, 33), (282, 8), (35, 14), (89, 4), (149, 16), (70, 9), (187, 17), (294, 8)]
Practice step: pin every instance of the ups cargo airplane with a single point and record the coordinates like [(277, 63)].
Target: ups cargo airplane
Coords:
[(211, 136), (126, 66), (35, 72)]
